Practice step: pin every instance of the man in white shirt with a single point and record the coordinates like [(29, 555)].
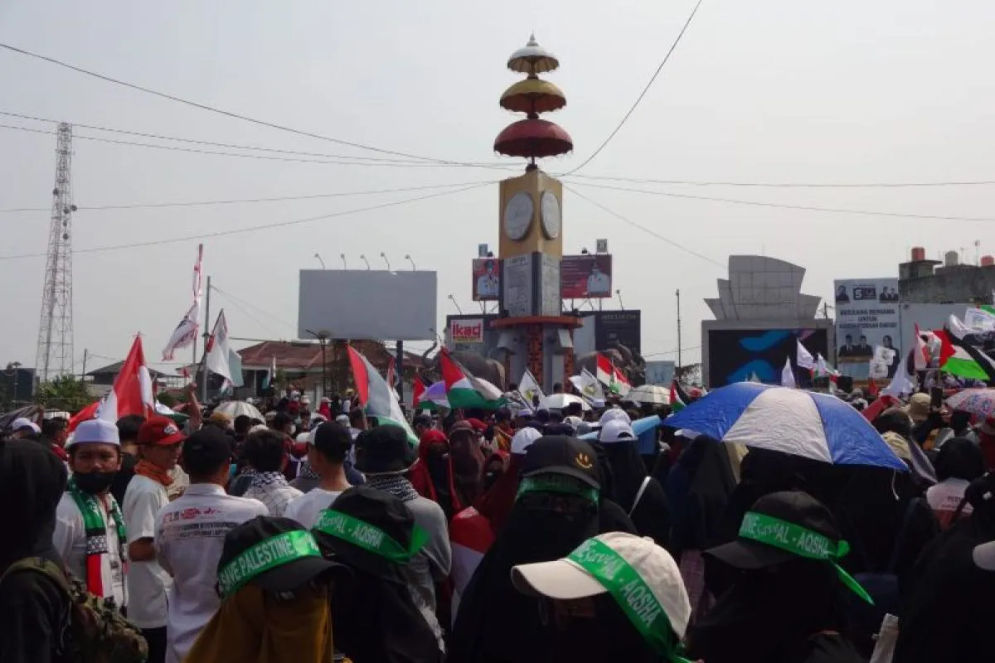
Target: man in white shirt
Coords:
[(264, 452), (327, 449), (89, 527), (598, 283), (158, 441), (190, 534), (488, 283)]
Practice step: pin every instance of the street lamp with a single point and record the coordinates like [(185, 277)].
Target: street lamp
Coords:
[(453, 300), (320, 260), (407, 256), (344, 266), (362, 257), (384, 256), (620, 304)]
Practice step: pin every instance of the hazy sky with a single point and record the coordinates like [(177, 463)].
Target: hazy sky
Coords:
[(761, 91)]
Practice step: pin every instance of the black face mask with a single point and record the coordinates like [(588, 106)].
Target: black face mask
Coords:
[(94, 483)]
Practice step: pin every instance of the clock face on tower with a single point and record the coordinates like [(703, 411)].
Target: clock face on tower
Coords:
[(518, 215), (549, 209)]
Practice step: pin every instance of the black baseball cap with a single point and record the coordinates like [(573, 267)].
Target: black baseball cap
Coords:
[(208, 447), (384, 450), (257, 544), (560, 454), (793, 507), (380, 510)]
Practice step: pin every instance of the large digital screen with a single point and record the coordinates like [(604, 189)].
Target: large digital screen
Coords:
[(736, 355)]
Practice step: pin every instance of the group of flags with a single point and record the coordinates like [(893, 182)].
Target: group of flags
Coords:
[(816, 366)]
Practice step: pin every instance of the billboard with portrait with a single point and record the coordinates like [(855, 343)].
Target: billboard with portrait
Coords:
[(486, 285), (867, 316), (585, 276)]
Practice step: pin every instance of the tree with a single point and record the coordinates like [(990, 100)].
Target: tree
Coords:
[(63, 393)]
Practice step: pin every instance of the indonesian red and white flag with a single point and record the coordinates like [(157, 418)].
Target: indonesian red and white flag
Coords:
[(611, 377), (920, 357), (186, 332), (218, 349), (376, 396), (131, 393)]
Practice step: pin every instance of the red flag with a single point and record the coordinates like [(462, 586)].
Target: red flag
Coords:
[(131, 393), (417, 392), (391, 373)]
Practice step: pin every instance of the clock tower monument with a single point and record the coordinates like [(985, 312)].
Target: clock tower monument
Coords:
[(535, 334)]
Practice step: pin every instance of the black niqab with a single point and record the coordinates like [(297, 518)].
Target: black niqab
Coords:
[(32, 480)]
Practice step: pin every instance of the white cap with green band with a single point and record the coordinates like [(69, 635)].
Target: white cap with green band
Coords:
[(642, 578)]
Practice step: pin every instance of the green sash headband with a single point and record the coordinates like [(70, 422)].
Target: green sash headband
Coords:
[(632, 595), (265, 555), (557, 483), (800, 541), (369, 537)]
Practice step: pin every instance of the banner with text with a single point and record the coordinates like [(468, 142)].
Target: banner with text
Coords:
[(867, 316), (586, 276), (466, 330)]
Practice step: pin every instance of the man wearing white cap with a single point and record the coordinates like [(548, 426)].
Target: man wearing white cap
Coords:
[(23, 427), (89, 527), (616, 597)]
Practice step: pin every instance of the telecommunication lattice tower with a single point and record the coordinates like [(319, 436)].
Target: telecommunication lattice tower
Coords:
[(55, 331)]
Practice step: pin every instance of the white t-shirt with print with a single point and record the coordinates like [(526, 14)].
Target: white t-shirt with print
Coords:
[(148, 583), (69, 540), (308, 507), (189, 536)]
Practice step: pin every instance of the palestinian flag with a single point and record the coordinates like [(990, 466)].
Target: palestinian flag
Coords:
[(959, 357), (677, 398), (611, 377), (463, 390), (377, 398), (418, 390)]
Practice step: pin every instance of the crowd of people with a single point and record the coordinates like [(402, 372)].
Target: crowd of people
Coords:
[(499, 537)]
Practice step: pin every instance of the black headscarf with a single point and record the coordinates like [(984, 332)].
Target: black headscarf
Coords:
[(768, 614), (651, 516), (948, 609), (698, 489), (959, 458), (497, 623), (32, 480)]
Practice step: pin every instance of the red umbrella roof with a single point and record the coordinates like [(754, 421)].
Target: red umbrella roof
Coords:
[(533, 138)]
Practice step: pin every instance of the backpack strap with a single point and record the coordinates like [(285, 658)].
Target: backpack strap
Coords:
[(40, 565), (902, 530), (639, 494)]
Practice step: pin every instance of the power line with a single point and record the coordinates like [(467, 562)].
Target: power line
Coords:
[(792, 185), (233, 201), (239, 300), (641, 94), (671, 352), (237, 146), (219, 111), (642, 227), (339, 162), (806, 208), (221, 233)]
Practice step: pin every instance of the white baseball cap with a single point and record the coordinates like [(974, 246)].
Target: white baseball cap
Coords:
[(523, 439), (616, 430), (96, 431), (984, 556), (566, 579), (342, 419), (613, 414), (22, 422)]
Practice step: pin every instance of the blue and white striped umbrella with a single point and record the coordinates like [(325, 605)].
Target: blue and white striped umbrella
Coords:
[(791, 421)]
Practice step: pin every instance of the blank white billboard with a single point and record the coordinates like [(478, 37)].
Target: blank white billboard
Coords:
[(367, 304)]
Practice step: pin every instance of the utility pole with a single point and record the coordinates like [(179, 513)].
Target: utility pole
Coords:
[(679, 363), (399, 374), (55, 329), (207, 339), (82, 374)]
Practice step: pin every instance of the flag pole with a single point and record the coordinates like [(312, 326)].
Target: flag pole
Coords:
[(207, 336)]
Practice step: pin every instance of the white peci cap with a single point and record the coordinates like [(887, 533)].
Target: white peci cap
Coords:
[(565, 579), (22, 422), (96, 431), (616, 430), (523, 439), (984, 556)]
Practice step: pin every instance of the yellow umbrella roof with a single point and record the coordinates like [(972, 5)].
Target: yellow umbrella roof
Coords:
[(533, 96)]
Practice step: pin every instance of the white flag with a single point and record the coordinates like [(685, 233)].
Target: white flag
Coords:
[(589, 388), (218, 349), (979, 320), (805, 358), (788, 374), (900, 384), (186, 332), (530, 390)]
